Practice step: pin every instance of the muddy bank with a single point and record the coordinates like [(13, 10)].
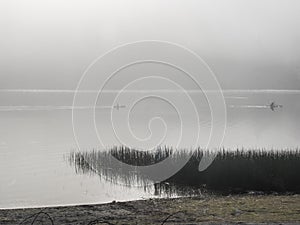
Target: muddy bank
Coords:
[(245, 209)]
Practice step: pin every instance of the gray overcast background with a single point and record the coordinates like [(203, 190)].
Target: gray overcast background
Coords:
[(248, 44), (251, 44)]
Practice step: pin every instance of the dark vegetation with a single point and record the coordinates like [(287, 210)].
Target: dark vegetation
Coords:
[(238, 171)]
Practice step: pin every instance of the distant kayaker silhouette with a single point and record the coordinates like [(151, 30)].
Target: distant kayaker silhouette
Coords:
[(118, 107), (273, 106)]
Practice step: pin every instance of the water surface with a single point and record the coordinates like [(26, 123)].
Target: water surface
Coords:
[(36, 134)]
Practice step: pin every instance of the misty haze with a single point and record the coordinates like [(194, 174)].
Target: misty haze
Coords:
[(94, 93)]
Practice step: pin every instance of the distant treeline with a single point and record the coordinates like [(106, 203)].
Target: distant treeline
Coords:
[(232, 171)]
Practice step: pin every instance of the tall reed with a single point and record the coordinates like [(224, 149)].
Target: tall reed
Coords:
[(233, 171)]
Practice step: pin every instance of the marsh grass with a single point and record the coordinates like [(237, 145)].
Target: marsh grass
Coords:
[(233, 171)]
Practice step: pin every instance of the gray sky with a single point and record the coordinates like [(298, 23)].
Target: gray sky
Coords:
[(248, 44), (251, 44)]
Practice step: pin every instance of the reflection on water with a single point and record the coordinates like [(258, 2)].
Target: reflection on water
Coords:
[(102, 164), (232, 171)]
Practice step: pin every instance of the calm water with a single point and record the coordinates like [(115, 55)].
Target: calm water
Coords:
[(36, 138)]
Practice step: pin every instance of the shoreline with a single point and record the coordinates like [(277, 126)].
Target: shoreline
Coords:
[(208, 209)]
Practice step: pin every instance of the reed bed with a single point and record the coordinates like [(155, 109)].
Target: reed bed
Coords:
[(233, 171)]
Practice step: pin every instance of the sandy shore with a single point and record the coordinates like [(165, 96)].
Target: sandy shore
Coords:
[(242, 209)]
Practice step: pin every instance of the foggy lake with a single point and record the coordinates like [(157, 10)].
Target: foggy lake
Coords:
[(36, 140)]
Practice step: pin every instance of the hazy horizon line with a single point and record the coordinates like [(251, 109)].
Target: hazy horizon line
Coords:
[(150, 90)]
